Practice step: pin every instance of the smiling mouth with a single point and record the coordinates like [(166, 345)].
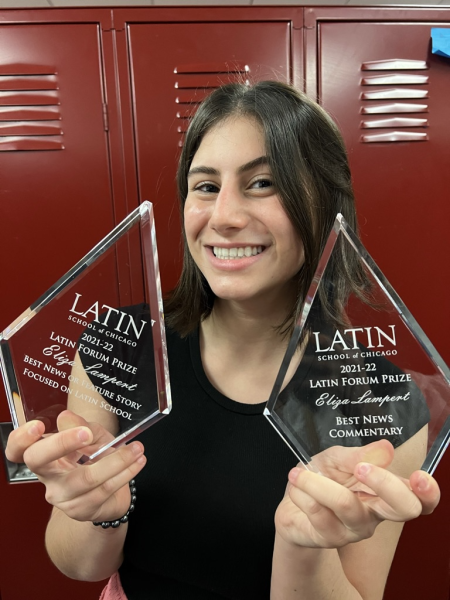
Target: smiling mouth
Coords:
[(241, 252)]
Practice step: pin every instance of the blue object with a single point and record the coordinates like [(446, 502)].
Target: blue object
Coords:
[(440, 38)]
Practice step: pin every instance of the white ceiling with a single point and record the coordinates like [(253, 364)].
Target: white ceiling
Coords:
[(63, 3)]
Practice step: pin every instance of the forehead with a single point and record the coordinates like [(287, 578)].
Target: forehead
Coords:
[(236, 139)]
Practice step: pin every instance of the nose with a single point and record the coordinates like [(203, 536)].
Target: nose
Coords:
[(229, 210)]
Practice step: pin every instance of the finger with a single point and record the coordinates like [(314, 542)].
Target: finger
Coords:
[(318, 522), (68, 419), (110, 473), (346, 507), (22, 438), (344, 459), (57, 446), (95, 497), (426, 489), (398, 501)]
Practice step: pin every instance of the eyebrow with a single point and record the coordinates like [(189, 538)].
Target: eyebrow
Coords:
[(261, 160)]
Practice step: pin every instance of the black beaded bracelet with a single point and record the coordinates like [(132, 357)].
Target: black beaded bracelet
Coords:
[(124, 519)]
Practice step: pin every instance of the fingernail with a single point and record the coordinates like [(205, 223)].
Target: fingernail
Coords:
[(293, 474), (364, 469), (83, 435), (142, 460), (422, 483), (136, 449)]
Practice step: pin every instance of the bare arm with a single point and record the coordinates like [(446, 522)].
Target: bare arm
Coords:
[(82, 551), (299, 573), (356, 571)]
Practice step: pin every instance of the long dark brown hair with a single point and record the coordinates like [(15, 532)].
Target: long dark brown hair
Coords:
[(312, 177)]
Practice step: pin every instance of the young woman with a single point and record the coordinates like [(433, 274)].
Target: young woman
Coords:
[(262, 175)]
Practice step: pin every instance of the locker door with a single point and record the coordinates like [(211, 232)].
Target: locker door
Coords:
[(389, 95), (55, 204), (173, 66)]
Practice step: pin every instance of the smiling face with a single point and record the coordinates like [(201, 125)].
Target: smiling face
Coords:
[(236, 228)]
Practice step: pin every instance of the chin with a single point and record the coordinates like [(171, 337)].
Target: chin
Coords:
[(234, 293), (231, 294)]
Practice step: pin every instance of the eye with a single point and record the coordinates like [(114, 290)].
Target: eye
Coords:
[(262, 186), (262, 183), (206, 187)]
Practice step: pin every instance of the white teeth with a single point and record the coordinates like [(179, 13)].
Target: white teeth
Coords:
[(227, 253)]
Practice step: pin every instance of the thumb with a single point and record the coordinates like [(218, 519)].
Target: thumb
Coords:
[(68, 419), (344, 459), (379, 453)]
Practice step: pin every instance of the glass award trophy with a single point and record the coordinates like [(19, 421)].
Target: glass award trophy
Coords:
[(359, 369), (95, 343)]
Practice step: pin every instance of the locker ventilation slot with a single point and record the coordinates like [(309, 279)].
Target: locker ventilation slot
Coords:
[(388, 100), (193, 82), (30, 116), (392, 64)]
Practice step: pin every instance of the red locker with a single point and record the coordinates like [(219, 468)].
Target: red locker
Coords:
[(56, 202), (376, 75)]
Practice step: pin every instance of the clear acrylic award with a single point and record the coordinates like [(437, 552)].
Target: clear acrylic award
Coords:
[(359, 369), (95, 342)]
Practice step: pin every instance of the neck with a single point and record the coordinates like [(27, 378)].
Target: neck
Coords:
[(242, 350), (239, 325)]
